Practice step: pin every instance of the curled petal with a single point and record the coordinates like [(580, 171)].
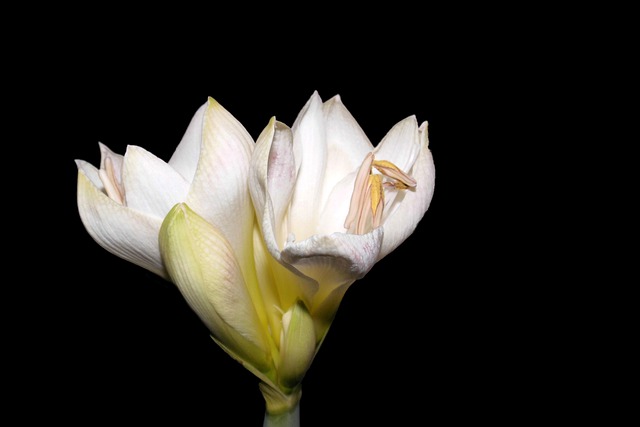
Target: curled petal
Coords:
[(334, 259), (414, 203), (273, 175)]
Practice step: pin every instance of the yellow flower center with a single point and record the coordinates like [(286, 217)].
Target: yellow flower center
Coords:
[(367, 201)]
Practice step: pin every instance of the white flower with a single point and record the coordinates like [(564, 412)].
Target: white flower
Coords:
[(123, 203), (330, 204)]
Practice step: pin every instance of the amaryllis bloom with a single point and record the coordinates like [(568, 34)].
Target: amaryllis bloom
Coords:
[(263, 239), (330, 204), (123, 203)]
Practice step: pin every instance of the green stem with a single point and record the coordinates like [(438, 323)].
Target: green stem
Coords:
[(283, 419), (283, 408)]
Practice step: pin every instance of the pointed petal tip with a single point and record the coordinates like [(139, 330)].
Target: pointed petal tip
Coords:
[(424, 133), (315, 97)]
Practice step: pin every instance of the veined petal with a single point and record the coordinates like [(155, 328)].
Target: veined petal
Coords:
[(310, 151), (347, 144), (185, 158), (151, 185), (410, 206), (126, 233), (334, 259), (201, 262), (401, 144), (219, 191)]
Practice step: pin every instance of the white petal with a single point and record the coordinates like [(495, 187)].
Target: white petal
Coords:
[(124, 232), (336, 207), (90, 172), (347, 144), (185, 158), (401, 144), (310, 152), (220, 191), (408, 211), (150, 184)]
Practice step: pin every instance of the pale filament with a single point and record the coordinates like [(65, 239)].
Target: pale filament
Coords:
[(111, 183), (367, 199)]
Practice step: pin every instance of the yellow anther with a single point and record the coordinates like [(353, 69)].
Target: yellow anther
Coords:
[(377, 195), (390, 170)]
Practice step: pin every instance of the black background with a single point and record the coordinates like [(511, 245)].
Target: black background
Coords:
[(436, 332)]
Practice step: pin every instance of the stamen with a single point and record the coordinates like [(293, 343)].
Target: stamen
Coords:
[(363, 212), (377, 198), (392, 171), (377, 195), (367, 201), (359, 188)]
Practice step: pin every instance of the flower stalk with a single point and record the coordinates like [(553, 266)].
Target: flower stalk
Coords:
[(282, 410)]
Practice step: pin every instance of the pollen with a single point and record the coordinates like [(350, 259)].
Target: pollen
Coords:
[(368, 197)]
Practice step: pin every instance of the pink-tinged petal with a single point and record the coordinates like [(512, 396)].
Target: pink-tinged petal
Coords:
[(185, 158), (274, 175), (126, 233), (409, 206), (150, 184), (310, 151), (220, 191), (401, 144), (202, 263)]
